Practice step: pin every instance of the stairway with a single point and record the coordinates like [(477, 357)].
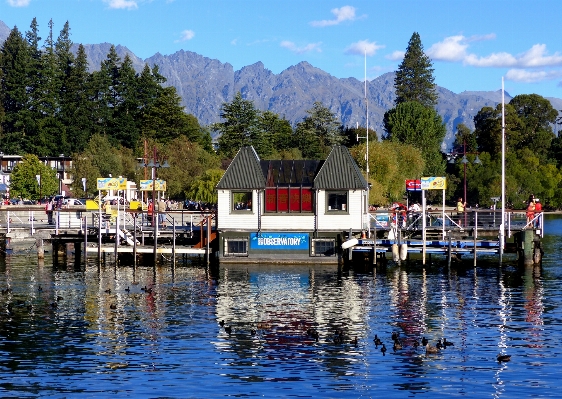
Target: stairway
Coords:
[(127, 236)]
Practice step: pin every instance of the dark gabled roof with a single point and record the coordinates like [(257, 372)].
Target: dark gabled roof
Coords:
[(340, 171), (244, 172), (284, 173)]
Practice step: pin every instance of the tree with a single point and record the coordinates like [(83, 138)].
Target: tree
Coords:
[(318, 132), (537, 116), (465, 137), (203, 187), (390, 164), (19, 120), (24, 182), (420, 126), (188, 161), (414, 79), (241, 128)]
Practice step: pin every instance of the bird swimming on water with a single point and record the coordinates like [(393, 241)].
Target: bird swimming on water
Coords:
[(431, 350), (383, 349), (503, 358)]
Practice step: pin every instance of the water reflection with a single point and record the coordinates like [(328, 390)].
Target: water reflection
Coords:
[(70, 331)]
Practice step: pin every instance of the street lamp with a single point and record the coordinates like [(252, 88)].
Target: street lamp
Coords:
[(155, 163), (452, 156)]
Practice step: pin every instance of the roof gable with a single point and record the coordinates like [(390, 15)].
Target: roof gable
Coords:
[(244, 172), (340, 171)]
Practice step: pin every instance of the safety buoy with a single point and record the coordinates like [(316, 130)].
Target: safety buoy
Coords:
[(403, 251), (395, 254)]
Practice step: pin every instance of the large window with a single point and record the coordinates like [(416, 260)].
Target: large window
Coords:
[(285, 199), (242, 201), (336, 201)]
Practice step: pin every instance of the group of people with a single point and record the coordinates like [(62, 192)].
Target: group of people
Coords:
[(534, 207)]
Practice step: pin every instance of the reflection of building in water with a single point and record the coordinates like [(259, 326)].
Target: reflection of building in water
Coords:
[(282, 305)]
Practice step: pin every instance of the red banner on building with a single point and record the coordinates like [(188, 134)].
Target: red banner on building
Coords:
[(413, 185)]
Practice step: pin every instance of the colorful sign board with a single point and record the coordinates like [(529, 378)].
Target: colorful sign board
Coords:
[(433, 183), (413, 185), (112, 183), (279, 241), (146, 185)]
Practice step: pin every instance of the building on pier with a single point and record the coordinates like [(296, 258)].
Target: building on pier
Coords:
[(289, 210)]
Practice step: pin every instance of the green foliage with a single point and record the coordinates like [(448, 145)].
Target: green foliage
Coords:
[(204, 187), (414, 79), (420, 126), (187, 161), (318, 132), (24, 182), (390, 164)]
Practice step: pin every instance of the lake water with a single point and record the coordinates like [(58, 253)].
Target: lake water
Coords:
[(150, 333)]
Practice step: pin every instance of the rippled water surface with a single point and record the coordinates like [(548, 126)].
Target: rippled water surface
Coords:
[(124, 332)]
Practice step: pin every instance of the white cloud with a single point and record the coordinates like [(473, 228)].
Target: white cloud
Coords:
[(363, 46), (186, 35), (300, 50), (19, 3), (453, 49), (122, 4), (396, 55), (345, 13), (234, 42), (525, 76)]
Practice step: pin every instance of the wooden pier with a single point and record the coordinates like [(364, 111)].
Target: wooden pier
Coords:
[(475, 233), (122, 236)]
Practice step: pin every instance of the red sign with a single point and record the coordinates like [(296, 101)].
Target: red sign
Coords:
[(413, 185)]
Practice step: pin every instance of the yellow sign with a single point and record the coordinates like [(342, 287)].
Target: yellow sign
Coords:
[(112, 183), (146, 185), (433, 183)]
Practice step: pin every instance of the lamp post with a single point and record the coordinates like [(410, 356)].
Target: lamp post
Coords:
[(464, 161), (155, 163)]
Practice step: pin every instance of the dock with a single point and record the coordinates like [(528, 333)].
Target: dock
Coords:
[(475, 233), (124, 235)]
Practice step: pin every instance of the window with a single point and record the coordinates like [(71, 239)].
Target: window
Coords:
[(336, 201), (242, 201), (323, 247), (288, 199), (236, 247)]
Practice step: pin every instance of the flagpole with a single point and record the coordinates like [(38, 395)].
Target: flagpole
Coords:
[(502, 224)]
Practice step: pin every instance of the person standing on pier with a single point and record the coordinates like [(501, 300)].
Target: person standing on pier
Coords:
[(461, 206), (530, 209), (538, 211), (162, 213)]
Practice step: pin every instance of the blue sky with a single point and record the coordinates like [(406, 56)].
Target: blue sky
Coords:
[(472, 43)]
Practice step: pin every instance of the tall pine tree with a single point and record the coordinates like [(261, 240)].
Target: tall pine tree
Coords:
[(414, 78)]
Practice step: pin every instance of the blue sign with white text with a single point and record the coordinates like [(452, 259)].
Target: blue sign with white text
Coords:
[(279, 241)]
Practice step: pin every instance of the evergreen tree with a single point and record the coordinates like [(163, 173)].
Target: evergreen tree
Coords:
[(18, 120), (318, 132), (76, 107), (414, 79), (241, 128)]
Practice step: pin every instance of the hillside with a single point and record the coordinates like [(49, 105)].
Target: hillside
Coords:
[(204, 84)]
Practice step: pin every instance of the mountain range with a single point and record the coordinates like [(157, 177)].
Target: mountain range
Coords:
[(204, 84)]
